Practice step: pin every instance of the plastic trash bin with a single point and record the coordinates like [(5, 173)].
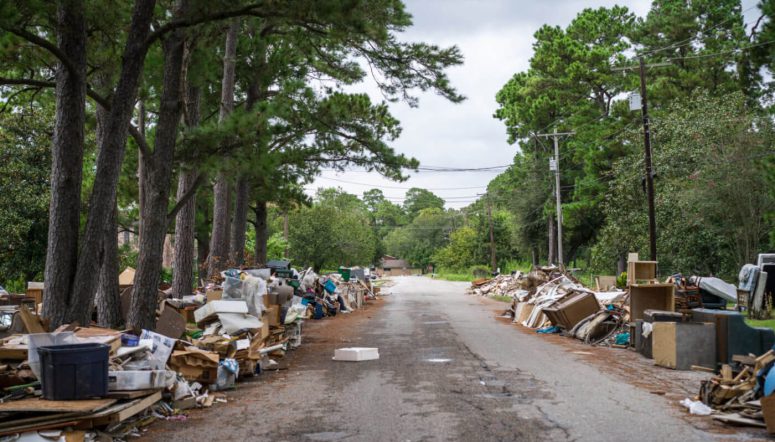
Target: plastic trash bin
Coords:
[(74, 371)]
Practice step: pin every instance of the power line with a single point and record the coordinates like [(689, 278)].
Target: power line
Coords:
[(401, 187), (686, 41)]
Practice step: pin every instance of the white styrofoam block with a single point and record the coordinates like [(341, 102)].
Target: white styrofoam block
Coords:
[(356, 354), (221, 306)]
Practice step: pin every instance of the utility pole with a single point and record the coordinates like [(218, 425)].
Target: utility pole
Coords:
[(554, 165), (647, 148), (649, 174), (493, 260)]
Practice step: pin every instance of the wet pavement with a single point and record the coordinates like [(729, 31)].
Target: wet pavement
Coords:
[(449, 371)]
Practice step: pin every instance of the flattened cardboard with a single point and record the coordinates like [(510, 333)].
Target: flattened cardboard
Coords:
[(170, 323), (195, 365)]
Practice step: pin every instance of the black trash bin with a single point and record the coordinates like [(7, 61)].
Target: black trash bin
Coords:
[(74, 371)]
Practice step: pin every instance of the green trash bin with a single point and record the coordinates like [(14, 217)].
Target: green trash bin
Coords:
[(345, 272)]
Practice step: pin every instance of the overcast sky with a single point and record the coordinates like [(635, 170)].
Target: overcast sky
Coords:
[(495, 37)]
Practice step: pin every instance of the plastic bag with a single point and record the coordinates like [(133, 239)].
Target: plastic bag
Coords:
[(696, 407), (232, 288), (253, 292)]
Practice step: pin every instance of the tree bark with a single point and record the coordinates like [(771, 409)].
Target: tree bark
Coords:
[(185, 220), (108, 301), (240, 221), (157, 173), (66, 163), (262, 232), (219, 240), (108, 168)]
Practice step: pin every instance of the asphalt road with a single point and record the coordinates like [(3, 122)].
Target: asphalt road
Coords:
[(447, 371)]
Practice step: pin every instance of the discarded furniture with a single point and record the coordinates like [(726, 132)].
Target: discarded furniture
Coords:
[(604, 283), (35, 291), (733, 335), (680, 345), (643, 341), (641, 271), (650, 297), (570, 310)]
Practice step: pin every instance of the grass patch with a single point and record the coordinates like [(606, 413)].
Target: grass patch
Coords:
[(767, 323), (454, 276), (502, 298)]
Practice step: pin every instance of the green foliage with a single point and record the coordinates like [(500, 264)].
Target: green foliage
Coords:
[(334, 231), (24, 192), (459, 253), (419, 240), (712, 196), (419, 199)]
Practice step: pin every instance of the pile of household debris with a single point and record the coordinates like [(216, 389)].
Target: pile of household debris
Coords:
[(111, 383), (553, 301), (681, 323)]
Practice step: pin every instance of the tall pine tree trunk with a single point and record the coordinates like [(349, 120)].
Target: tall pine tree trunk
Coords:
[(108, 168), (66, 162), (240, 221), (157, 174), (185, 220), (219, 240), (108, 302), (262, 232)]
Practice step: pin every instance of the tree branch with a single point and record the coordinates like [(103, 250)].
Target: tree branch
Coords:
[(186, 197), (142, 143), (47, 45), (192, 21)]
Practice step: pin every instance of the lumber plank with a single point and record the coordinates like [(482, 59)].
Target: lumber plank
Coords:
[(31, 322), (44, 406), (124, 411), (133, 394)]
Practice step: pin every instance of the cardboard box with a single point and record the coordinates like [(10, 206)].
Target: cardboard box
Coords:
[(211, 309), (272, 315), (680, 345), (651, 297), (195, 365), (214, 295)]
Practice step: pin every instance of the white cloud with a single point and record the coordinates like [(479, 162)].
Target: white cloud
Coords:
[(495, 37)]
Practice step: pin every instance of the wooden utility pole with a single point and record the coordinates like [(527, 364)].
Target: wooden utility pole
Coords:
[(555, 166), (649, 173), (493, 260), (647, 149)]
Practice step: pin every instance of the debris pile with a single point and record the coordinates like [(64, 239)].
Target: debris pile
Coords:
[(741, 394), (681, 323), (112, 383), (546, 297)]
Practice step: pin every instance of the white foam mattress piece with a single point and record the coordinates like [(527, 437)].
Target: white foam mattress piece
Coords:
[(214, 307), (356, 354)]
